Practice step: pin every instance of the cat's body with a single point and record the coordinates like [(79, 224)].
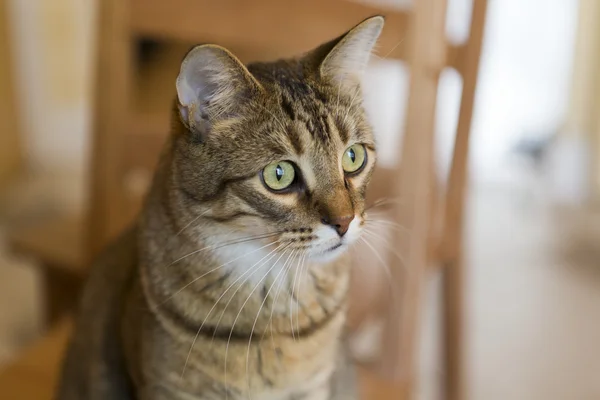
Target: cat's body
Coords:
[(233, 283)]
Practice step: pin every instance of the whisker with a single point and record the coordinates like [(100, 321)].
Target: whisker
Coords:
[(271, 255), (393, 286), (392, 49), (244, 305), (384, 202), (237, 241), (292, 295), (258, 314), (303, 269), (253, 268), (286, 266), (383, 263), (394, 225), (191, 222), (388, 246), (214, 269), (281, 284)]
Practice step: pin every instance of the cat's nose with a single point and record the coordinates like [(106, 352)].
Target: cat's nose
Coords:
[(340, 224)]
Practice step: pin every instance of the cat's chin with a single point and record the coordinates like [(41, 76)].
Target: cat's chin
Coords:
[(328, 254)]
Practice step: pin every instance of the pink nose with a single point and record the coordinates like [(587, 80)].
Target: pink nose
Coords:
[(340, 224)]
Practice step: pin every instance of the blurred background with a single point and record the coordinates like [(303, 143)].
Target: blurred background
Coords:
[(532, 231)]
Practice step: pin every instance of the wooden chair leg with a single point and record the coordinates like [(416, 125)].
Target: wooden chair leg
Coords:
[(453, 281), (403, 319), (108, 206), (60, 293), (453, 325), (10, 140)]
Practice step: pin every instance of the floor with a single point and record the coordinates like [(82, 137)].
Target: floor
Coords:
[(533, 295)]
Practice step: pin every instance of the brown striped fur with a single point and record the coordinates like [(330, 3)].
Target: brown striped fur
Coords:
[(225, 289)]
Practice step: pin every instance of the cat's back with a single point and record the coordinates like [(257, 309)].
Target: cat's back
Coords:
[(94, 367)]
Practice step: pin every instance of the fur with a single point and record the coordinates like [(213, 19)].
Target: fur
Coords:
[(225, 289)]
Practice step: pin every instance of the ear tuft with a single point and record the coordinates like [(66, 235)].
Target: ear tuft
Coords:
[(348, 58), (211, 83)]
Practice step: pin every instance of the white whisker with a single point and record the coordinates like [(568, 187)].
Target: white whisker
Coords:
[(388, 245), (392, 283), (303, 269), (292, 295), (220, 245), (271, 255), (215, 269), (394, 48), (258, 313), (253, 268), (280, 286), (394, 225), (191, 222), (286, 267), (244, 305), (384, 202)]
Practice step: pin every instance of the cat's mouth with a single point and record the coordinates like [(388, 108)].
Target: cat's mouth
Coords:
[(328, 252), (329, 245), (335, 247)]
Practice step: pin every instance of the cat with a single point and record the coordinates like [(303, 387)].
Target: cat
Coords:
[(233, 282)]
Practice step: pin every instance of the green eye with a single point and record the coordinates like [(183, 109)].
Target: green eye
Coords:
[(354, 158), (279, 175)]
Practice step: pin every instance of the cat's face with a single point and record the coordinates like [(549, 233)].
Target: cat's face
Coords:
[(280, 151)]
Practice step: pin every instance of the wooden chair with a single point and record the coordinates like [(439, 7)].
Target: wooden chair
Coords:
[(433, 216), (10, 141), (128, 134)]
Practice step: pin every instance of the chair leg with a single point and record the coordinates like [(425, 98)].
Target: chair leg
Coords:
[(453, 323), (60, 293), (401, 336), (453, 279), (108, 209)]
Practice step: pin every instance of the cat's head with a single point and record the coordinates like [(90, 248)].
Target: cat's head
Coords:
[(280, 149)]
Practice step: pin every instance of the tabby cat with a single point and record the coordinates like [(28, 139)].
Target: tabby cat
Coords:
[(233, 283)]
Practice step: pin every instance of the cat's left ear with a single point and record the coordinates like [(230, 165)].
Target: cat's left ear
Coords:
[(211, 85), (344, 60)]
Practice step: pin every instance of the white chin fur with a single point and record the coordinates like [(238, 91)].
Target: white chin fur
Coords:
[(253, 263), (328, 247)]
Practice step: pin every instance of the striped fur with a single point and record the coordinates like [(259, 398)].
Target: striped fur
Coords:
[(232, 290)]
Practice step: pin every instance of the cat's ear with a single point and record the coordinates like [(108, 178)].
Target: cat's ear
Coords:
[(211, 84), (345, 59)]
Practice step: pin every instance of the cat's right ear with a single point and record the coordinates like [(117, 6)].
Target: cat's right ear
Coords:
[(211, 84), (344, 59)]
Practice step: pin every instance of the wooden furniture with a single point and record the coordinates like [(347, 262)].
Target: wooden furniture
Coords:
[(424, 204), (34, 374), (582, 119), (10, 149), (128, 132)]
